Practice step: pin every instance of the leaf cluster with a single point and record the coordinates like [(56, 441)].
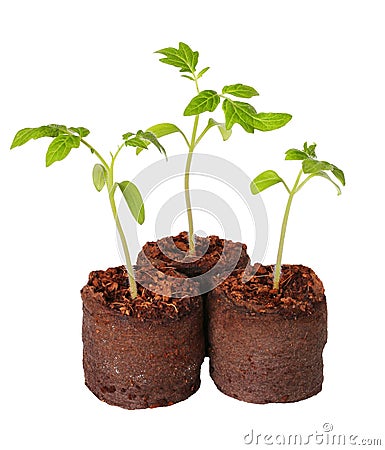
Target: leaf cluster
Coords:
[(235, 111), (65, 139), (310, 166)]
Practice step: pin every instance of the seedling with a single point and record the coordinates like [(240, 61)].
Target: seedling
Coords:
[(234, 111), (311, 167), (67, 138)]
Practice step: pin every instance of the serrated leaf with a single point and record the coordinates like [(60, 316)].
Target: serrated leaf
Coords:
[(202, 72), (314, 166), (133, 199), (99, 176), (310, 150), (26, 134), (326, 176), (81, 131), (239, 112), (222, 128), (60, 147), (339, 175), (264, 180), (205, 101), (240, 90), (294, 154), (137, 142), (148, 136), (127, 135), (163, 129), (183, 57), (270, 121)]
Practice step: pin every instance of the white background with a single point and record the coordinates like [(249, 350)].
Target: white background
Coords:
[(92, 64)]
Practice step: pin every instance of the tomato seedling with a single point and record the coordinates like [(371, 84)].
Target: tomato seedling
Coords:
[(311, 167), (235, 111), (67, 138)]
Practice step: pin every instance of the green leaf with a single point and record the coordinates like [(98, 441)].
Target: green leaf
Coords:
[(239, 112), (202, 72), (314, 166), (270, 121), (60, 147), (264, 180), (204, 101), (339, 175), (222, 128), (148, 136), (127, 135), (188, 77), (310, 150), (163, 129), (137, 142), (240, 90), (326, 176), (183, 57), (27, 134), (133, 199), (81, 131), (294, 154), (99, 176)]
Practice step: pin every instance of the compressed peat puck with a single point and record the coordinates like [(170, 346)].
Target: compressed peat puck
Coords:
[(266, 345), (144, 352)]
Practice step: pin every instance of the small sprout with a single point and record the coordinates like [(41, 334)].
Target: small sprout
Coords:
[(244, 114), (65, 139), (311, 167)]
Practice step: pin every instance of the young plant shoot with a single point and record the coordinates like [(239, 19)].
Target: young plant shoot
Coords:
[(67, 138), (207, 100), (311, 167)]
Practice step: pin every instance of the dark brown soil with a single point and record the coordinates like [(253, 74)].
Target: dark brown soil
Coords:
[(213, 256), (299, 293), (266, 346), (167, 297), (145, 352)]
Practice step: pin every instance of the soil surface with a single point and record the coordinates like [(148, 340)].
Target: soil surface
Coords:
[(177, 297), (211, 254), (299, 292)]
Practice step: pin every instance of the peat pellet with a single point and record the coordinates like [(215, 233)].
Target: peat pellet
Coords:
[(266, 346), (140, 353)]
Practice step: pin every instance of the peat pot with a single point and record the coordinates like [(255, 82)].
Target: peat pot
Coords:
[(266, 345), (145, 352)]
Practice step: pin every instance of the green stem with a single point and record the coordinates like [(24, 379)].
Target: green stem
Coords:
[(277, 270), (187, 187), (111, 186), (305, 181), (192, 146), (99, 156)]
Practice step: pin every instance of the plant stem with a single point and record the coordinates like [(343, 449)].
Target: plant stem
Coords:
[(130, 271), (111, 186), (277, 270), (97, 154), (187, 187), (187, 196)]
